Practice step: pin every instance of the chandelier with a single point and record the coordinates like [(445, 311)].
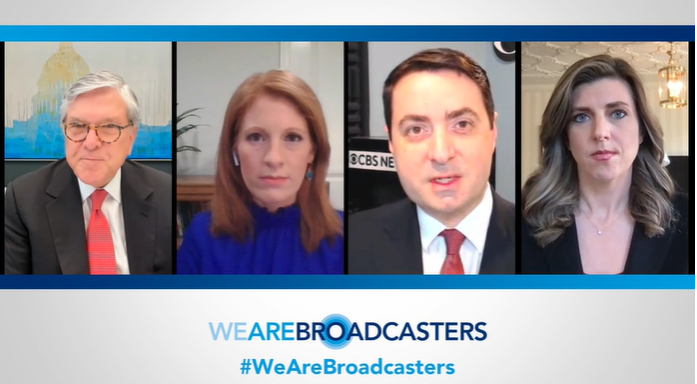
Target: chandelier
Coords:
[(673, 83)]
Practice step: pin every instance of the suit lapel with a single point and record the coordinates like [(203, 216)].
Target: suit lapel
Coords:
[(563, 256), (647, 255), (66, 220), (402, 229), (140, 220), (500, 242)]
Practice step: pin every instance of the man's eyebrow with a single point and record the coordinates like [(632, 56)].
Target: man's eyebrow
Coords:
[(414, 118), (102, 121), (461, 112)]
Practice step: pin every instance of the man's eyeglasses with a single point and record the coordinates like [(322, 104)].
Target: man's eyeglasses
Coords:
[(106, 133)]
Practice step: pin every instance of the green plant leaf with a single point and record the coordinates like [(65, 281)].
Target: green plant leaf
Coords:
[(186, 128), (189, 111), (184, 148), (187, 114), (182, 118)]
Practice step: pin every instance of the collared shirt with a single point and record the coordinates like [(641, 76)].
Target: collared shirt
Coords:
[(113, 211), (474, 227)]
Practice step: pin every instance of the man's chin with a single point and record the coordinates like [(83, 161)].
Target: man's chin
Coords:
[(444, 205), (447, 202), (92, 178)]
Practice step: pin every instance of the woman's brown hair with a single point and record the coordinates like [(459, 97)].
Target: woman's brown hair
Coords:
[(551, 193), (231, 196)]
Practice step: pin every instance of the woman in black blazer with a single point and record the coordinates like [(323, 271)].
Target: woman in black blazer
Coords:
[(601, 201)]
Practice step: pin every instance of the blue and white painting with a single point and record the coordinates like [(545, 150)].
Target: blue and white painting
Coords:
[(37, 75)]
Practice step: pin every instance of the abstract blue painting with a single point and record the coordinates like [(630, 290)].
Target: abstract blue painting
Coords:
[(37, 75)]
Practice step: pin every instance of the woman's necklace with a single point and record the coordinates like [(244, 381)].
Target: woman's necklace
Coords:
[(599, 231)]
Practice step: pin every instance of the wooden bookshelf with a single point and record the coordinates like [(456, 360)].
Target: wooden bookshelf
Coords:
[(194, 193), (195, 188)]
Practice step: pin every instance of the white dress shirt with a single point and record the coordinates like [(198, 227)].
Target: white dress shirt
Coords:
[(474, 227), (113, 211)]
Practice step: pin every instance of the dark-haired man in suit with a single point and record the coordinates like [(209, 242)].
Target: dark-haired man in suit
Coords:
[(441, 122), (92, 212)]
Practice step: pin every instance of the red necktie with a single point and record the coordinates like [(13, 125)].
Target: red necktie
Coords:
[(100, 247), (453, 241)]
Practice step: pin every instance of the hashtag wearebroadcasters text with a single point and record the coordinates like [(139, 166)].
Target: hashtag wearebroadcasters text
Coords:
[(333, 367)]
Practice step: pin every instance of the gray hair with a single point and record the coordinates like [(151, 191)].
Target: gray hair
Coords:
[(97, 80)]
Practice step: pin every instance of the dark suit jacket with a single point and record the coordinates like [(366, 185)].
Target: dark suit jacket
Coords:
[(387, 240), (664, 254), (45, 227)]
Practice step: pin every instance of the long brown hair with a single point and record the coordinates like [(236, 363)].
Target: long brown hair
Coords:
[(551, 193), (230, 214)]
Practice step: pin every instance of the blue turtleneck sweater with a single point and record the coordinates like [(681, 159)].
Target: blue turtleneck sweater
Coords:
[(275, 249)]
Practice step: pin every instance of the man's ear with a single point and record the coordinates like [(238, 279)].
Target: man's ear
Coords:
[(389, 139), (494, 130), (133, 133)]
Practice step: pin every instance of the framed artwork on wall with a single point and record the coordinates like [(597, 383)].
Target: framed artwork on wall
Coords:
[(37, 74)]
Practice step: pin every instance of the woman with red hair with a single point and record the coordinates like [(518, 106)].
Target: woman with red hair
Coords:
[(270, 212)]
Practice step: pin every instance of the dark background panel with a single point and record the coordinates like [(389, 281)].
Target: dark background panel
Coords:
[(357, 92)]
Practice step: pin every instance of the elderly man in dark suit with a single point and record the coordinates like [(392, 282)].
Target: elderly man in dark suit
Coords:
[(442, 128), (92, 212)]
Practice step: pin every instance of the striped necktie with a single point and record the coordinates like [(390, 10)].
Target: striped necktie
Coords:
[(100, 247)]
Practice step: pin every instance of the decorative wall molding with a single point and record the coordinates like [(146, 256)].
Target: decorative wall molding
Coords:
[(551, 59)]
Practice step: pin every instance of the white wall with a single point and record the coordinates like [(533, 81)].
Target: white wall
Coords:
[(535, 93), (383, 57), (209, 73)]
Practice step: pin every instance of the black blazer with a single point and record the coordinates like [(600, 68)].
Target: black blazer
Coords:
[(45, 227), (387, 240), (664, 254)]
